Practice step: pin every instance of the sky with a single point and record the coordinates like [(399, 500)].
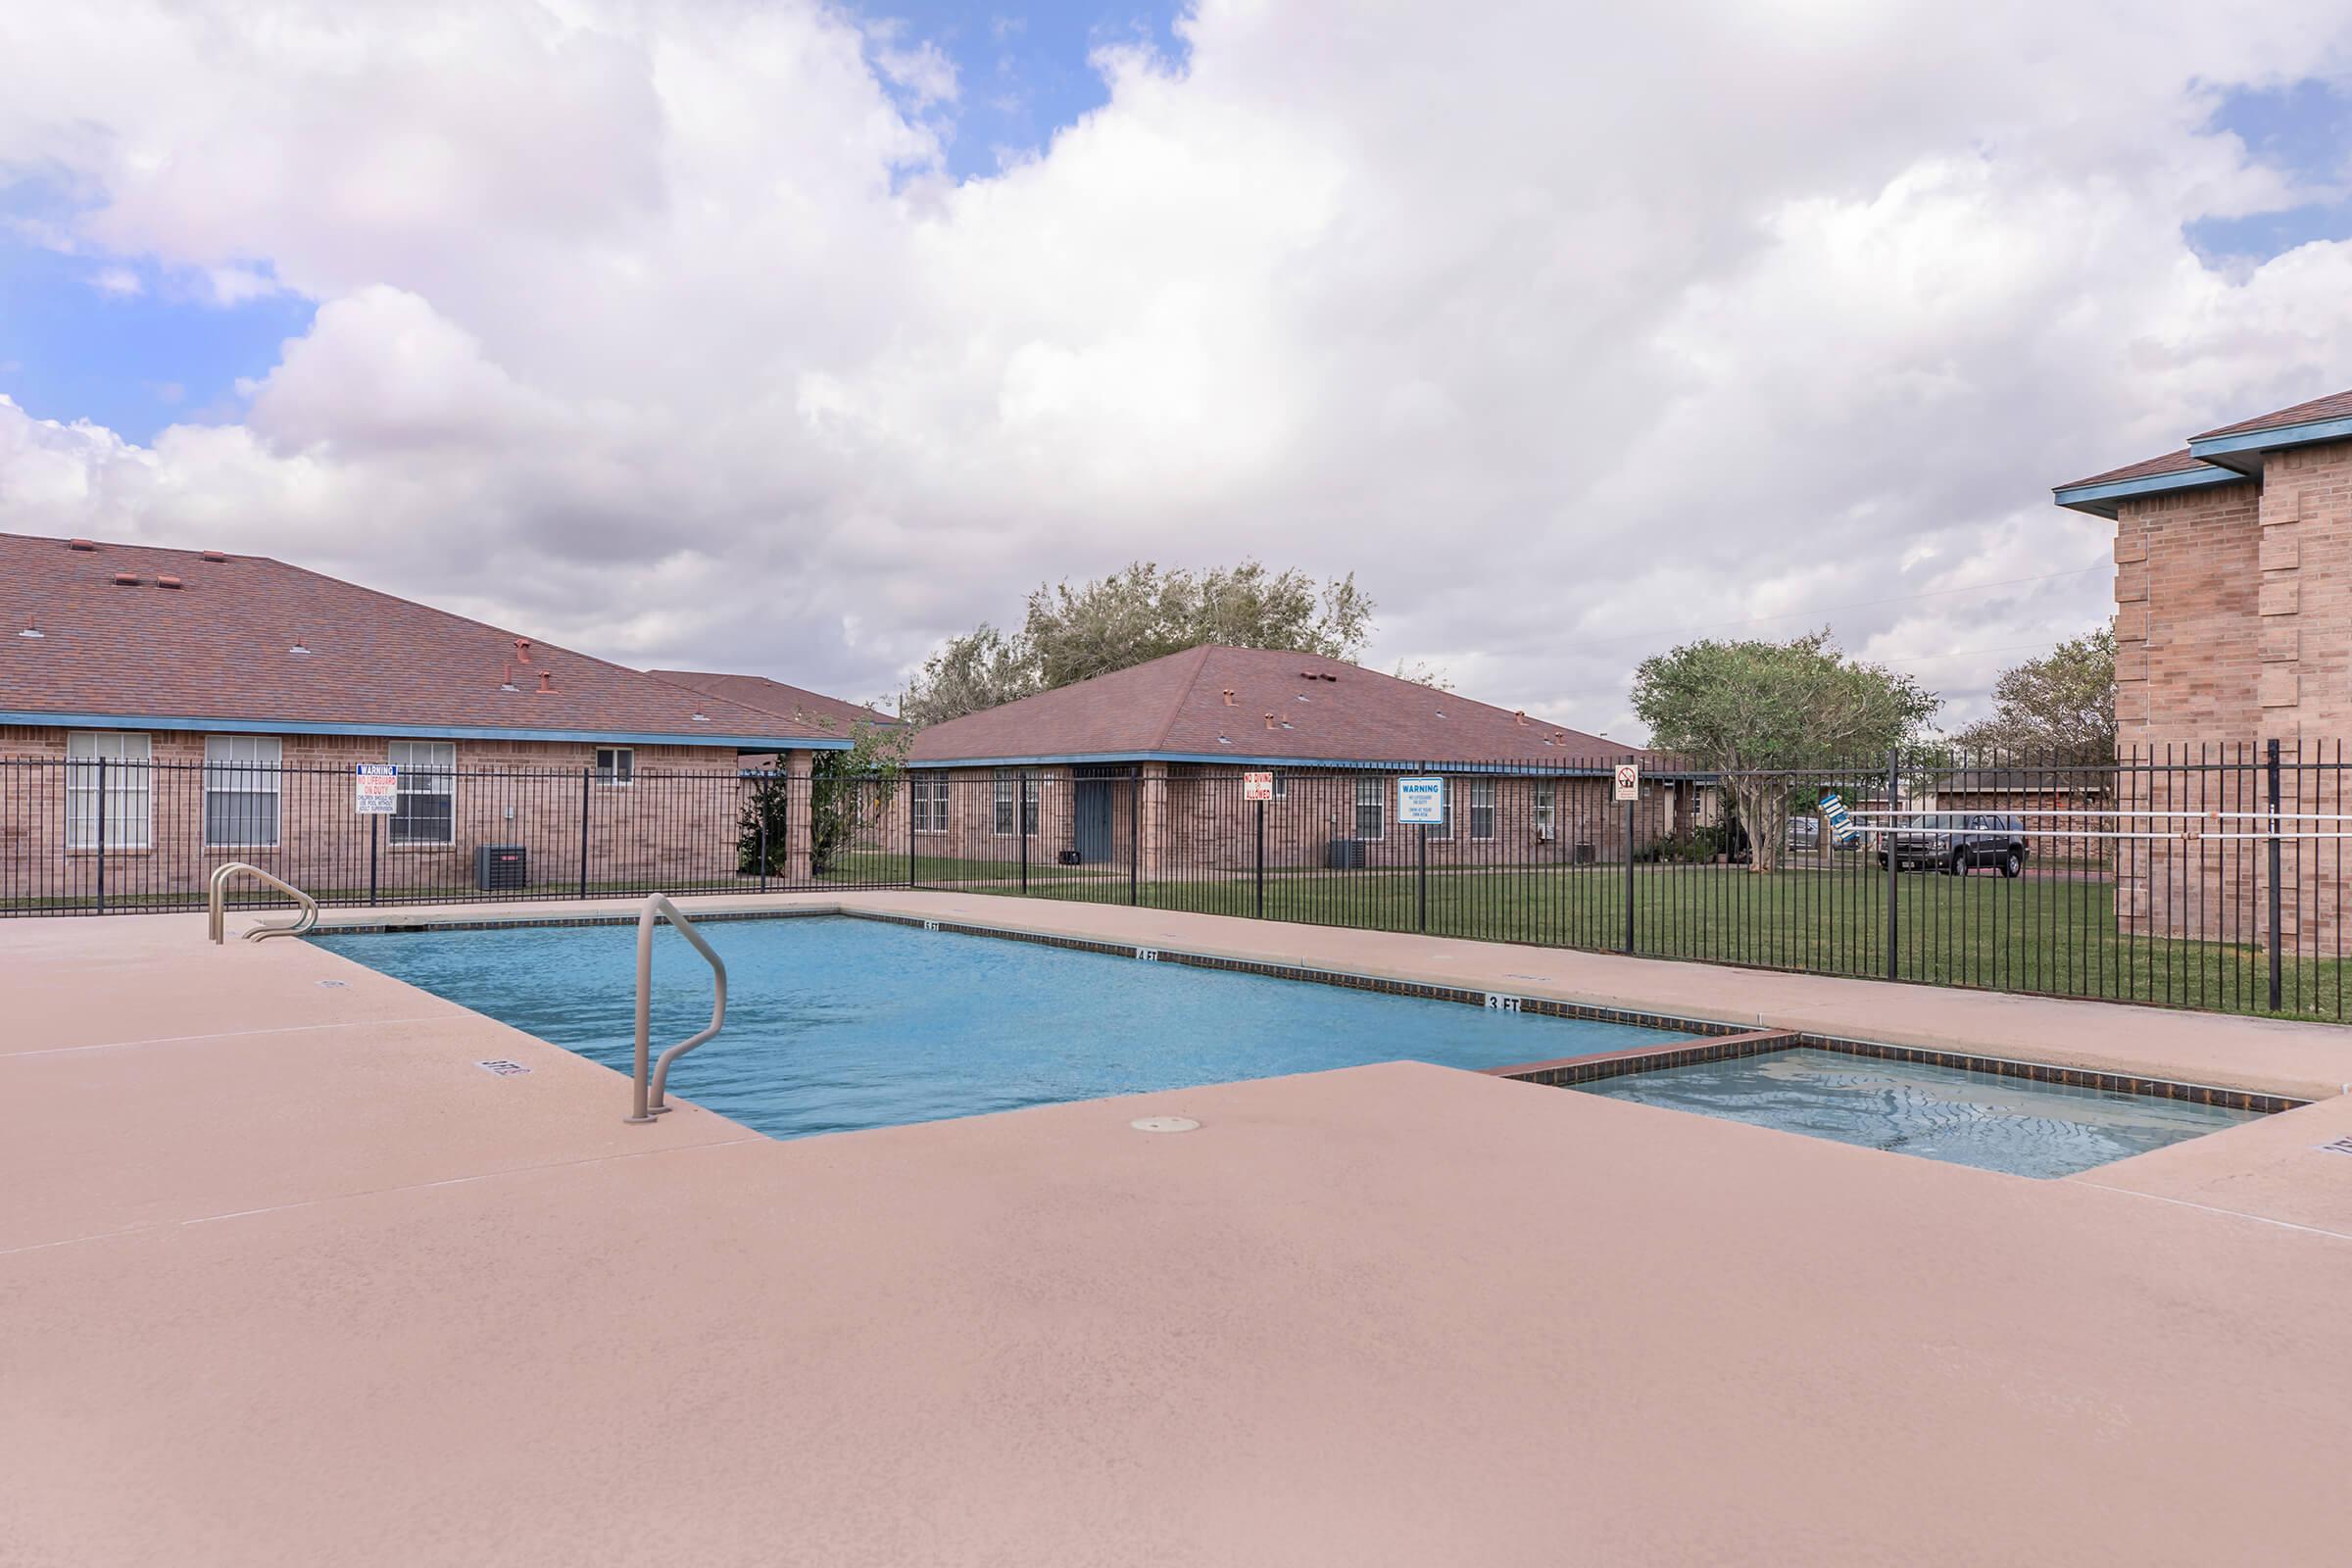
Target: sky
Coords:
[(792, 338)]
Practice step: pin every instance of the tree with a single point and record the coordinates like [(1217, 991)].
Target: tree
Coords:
[(1073, 632), (2061, 706), (850, 788), (1749, 709), (983, 668)]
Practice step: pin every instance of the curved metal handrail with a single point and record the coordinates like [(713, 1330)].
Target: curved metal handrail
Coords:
[(643, 1108), (217, 905)]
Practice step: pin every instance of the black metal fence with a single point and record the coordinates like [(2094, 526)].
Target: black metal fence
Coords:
[(2199, 876)]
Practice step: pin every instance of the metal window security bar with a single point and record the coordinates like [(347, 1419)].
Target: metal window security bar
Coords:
[(2208, 876)]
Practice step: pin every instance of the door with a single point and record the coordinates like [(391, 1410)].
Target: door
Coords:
[(1094, 820)]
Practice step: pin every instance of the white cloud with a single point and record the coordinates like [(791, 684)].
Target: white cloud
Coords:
[(658, 327), (119, 281)]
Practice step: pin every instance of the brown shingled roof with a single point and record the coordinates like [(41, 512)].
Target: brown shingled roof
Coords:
[(1324, 710), (2171, 462), (218, 646), (2336, 405), (776, 696)]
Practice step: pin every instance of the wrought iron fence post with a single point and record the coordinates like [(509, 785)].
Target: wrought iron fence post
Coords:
[(101, 835), (760, 809), (910, 778), (1020, 810), (1894, 863), (1629, 878), (376, 831), (2277, 937), (1421, 877), (1135, 830), (587, 776), (1262, 859)]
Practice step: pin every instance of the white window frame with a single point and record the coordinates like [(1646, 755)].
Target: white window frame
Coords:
[(1485, 787), (930, 804), (239, 766), (1002, 821), (1545, 812), (130, 789), (439, 760), (1371, 791), (616, 766), (1282, 784)]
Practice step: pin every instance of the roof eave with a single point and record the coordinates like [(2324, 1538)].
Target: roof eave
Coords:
[(430, 732), (2105, 500), (1598, 768), (2242, 451)]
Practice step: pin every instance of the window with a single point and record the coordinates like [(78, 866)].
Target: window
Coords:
[(425, 811), (1546, 821), (1370, 814), (240, 791), (615, 764), (1004, 782), (930, 804), (1282, 785), (1482, 808), (1445, 830), (126, 798)]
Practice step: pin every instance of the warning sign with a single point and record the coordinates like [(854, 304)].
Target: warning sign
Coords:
[(1421, 800), (375, 789), (1629, 781), (1258, 786)]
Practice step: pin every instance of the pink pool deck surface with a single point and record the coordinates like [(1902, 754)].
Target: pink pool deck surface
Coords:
[(286, 1276)]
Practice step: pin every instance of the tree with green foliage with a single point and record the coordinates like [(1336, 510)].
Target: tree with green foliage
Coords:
[(1747, 708), (2060, 706), (1073, 632), (850, 789)]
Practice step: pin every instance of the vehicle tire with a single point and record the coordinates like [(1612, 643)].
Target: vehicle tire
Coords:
[(2013, 865), (1957, 864)]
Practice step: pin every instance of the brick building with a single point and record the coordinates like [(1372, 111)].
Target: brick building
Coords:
[(2233, 629), (163, 711), (1155, 754)]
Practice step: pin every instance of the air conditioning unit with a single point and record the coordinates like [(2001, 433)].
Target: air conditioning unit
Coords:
[(497, 866)]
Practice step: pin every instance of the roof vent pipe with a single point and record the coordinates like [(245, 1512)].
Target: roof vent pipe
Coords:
[(1327, 675), (79, 543), (216, 557), (1519, 718), (1269, 721), (168, 582), (1228, 697), (127, 579), (547, 680), (522, 648)]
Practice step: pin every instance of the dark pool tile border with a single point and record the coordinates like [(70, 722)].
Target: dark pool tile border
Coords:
[(1715, 1041), (1573, 1071)]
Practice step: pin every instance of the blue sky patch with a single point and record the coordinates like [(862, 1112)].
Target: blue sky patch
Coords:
[(2306, 129)]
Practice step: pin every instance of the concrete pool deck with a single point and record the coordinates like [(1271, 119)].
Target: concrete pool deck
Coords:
[(288, 1278)]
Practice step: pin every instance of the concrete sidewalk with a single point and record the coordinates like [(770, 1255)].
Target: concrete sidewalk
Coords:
[(289, 1279)]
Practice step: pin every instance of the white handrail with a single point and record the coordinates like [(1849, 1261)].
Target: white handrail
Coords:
[(217, 905), (646, 1093)]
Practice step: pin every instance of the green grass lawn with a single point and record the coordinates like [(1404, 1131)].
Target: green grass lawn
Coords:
[(2054, 936)]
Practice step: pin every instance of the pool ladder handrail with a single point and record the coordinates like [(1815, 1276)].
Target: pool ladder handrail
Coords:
[(217, 905), (646, 1101)]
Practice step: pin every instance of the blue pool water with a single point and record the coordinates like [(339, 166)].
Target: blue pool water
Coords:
[(1989, 1120), (835, 1023)]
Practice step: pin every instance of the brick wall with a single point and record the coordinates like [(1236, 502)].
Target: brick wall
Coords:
[(2233, 627), (674, 822)]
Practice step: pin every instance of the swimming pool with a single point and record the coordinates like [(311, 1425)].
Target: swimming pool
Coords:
[(1989, 1120), (836, 1023)]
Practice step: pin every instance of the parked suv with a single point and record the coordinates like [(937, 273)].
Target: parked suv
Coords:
[(1958, 842)]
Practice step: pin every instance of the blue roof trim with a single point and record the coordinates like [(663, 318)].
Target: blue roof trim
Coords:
[(2223, 448), (1577, 766), (2099, 499), (402, 732)]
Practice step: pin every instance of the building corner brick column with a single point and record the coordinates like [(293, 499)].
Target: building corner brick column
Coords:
[(1152, 857), (798, 766)]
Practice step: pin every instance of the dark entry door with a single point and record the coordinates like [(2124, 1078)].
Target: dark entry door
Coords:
[(1094, 820)]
